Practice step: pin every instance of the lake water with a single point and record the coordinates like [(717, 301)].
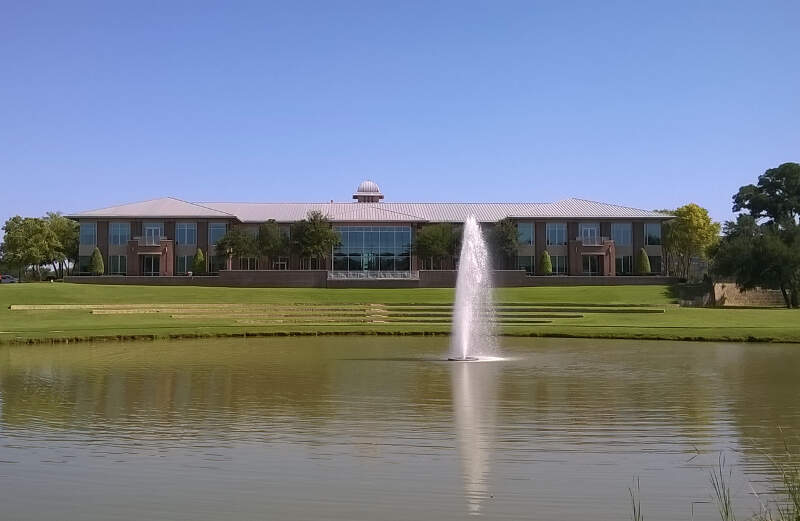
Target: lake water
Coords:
[(379, 428)]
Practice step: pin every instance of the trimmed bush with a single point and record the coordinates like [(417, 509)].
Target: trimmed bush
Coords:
[(545, 265), (96, 266), (199, 262), (643, 262)]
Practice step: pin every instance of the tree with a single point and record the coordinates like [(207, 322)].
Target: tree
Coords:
[(643, 262), (505, 239), (66, 232), (237, 243), (437, 241), (545, 265), (762, 248), (29, 243), (314, 236), (199, 262), (96, 266), (272, 241), (689, 235)]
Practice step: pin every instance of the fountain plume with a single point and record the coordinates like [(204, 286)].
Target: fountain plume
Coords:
[(473, 312)]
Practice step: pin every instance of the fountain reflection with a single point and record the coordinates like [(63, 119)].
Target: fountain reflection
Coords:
[(474, 408)]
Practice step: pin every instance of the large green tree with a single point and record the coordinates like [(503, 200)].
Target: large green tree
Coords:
[(67, 233), (314, 236), (437, 242), (689, 235), (505, 239), (272, 241), (29, 243), (762, 247), (238, 243)]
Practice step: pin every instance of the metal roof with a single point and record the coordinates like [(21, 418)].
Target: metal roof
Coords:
[(163, 207), (375, 212)]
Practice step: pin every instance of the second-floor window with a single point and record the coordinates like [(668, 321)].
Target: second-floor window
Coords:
[(88, 233), (216, 231), (525, 233), (186, 233), (120, 233), (652, 234), (556, 234), (621, 234)]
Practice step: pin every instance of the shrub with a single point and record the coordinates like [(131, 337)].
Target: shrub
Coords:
[(199, 262), (545, 265), (643, 262), (96, 266)]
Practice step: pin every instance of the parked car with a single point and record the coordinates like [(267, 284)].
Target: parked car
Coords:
[(7, 279)]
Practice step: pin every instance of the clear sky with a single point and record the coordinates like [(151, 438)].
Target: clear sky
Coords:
[(645, 104)]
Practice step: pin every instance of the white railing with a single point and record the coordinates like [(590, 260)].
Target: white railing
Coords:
[(591, 240), (150, 240)]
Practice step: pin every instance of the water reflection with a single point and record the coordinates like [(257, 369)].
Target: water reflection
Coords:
[(374, 428), (474, 407)]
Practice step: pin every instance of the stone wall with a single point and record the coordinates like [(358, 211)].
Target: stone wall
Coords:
[(727, 294)]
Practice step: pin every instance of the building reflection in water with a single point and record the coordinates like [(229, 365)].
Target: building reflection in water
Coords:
[(474, 387)]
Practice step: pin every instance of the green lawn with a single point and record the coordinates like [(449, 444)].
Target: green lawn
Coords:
[(603, 312)]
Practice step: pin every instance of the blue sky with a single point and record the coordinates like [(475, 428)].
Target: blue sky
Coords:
[(644, 104)]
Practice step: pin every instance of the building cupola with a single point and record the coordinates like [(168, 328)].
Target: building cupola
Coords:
[(368, 192)]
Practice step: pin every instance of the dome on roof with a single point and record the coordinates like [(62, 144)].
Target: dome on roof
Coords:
[(368, 186), (368, 192)]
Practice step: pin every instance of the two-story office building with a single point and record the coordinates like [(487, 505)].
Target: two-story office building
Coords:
[(160, 237)]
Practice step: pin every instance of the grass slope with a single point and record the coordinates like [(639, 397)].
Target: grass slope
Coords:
[(615, 321)]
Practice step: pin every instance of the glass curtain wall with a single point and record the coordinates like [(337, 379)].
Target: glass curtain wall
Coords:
[(373, 248)]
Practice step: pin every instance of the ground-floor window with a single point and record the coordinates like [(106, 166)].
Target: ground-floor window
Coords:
[(624, 265), (373, 248), (216, 263), (559, 263), (526, 262), (151, 265), (434, 263), (83, 264), (591, 264), (309, 263), (118, 264), (184, 264), (248, 263), (655, 263), (280, 263)]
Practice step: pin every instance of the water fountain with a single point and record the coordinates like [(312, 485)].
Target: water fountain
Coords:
[(473, 312)]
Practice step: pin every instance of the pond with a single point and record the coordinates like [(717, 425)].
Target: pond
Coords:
[(369, 428)]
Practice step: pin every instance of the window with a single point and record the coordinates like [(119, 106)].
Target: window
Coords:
[(309, 263), (622, 234), (556, 234), (652, 234), (525, 233), (186, 233), (151, 265), (525, 262), (624, 265), (153, 232), (217, 263), (120, 233), (280, 263), (589, 233), (88, 234), (248, 263), (372, 248), (559, 263), (83, 264), (591, 264), (118, 264), (184, 264), (216, 231), (655, 263)]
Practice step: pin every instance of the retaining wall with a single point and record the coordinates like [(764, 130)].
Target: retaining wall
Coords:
[(319, 279), (727, 294)]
